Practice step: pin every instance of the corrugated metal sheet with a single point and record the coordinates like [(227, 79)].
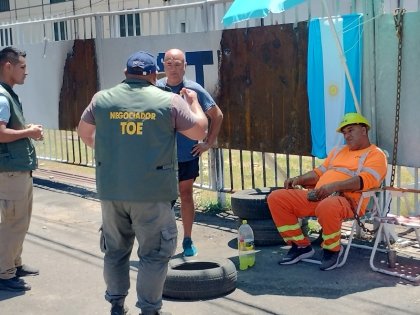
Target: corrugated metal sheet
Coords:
[(262, 89), (80, 83), (386, 42)]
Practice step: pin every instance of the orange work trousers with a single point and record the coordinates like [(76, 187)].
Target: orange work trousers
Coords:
[(288, 205)]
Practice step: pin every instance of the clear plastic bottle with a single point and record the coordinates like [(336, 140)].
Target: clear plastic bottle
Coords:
[(246, 246)]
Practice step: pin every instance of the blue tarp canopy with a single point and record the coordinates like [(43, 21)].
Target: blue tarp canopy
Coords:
[(242, 10)]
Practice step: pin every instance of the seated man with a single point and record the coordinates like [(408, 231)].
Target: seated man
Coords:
[(347, 170)]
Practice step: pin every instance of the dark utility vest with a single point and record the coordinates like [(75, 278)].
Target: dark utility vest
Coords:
[(18, 155), (135, 143)]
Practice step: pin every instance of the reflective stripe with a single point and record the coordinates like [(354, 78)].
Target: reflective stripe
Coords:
[(330, 236), (285, 228), (362, 161), (345, 170), (322, 169), (337, 150), (333, 245), (372, 172), (300, 237)]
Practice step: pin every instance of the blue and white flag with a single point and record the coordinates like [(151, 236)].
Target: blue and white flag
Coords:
[(329, 93)]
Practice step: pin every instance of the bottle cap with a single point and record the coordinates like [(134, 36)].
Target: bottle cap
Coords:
[(244, 221)]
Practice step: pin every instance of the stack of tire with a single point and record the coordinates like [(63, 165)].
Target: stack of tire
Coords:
[(251, 205)]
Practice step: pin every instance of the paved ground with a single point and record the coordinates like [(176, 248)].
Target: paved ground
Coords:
[(63, 243)]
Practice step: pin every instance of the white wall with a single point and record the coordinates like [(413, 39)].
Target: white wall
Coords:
[(41, 92), (113, 61)]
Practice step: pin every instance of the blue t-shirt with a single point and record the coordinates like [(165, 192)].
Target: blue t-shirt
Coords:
[(4, 109), (185, 144)]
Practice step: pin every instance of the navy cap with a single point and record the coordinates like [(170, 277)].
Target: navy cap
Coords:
[(141, 63)]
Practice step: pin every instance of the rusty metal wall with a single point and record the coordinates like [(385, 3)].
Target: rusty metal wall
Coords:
[(262, 89), (80, 83)]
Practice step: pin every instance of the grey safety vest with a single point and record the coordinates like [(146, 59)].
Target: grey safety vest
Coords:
[(135, 143), (18, 155)]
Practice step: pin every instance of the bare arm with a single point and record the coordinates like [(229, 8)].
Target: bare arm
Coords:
[(87, 133), (216, 119), (307, 179), (9, 135), (351, 184), (199, 130)]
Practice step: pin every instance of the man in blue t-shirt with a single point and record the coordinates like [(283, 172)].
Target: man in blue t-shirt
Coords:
[(189, 151)]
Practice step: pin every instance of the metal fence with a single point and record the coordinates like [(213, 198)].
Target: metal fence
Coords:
[(221, 170), (198, 16)]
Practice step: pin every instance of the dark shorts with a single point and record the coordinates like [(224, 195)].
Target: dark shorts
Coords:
[(188, 170)]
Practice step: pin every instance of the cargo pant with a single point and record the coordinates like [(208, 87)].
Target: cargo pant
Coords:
[(154, 227), (16, 194), (287, 205)]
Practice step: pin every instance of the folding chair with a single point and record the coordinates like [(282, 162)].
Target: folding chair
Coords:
[(366, 194), (385, 232)]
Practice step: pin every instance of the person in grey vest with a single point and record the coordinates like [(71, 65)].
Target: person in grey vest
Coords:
[(132, 127), (189, 150), (17, 161)]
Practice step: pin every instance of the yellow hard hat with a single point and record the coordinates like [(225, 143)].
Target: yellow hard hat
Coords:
[(351, 119)]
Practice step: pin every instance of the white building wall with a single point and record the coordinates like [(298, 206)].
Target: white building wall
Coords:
[(25, 10), (40, 94), (112, 61)]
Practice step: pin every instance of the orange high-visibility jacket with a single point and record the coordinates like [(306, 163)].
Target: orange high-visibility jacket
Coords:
[(341, 164)]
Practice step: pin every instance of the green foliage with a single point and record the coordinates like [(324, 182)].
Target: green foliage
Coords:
[(313, 226), (213, 208), (206, 201)]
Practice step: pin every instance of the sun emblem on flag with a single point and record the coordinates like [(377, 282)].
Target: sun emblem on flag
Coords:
[(333, 90)]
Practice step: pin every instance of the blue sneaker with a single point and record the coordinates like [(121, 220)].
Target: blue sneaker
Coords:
[(189, 248)]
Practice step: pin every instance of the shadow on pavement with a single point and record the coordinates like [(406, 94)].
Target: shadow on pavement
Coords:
[(267, 278), (5, 295)]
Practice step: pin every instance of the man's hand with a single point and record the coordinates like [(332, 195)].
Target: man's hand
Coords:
[(189, 95), (200, 148), (324, 191), (35, 132), (291, 182)]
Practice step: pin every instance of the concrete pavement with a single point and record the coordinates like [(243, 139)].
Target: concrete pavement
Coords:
[(63, 243)]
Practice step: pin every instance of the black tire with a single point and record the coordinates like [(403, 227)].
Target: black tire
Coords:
[(265, 232), (252, 203), (195, 279)]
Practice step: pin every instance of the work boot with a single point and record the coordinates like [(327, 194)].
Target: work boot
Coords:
[(25, 270), (330, 259), (14, 284), (155, 313), (296, 254)]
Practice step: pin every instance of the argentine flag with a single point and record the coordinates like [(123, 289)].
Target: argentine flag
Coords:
[(328, 90)]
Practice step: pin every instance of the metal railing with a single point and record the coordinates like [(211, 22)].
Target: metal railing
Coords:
[(198, 16), (221, 170)]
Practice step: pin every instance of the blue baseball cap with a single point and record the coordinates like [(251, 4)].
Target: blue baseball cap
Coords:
[(141, 63)]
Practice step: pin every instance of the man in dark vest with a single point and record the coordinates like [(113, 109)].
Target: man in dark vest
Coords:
[(132, 127), (17, 161)]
